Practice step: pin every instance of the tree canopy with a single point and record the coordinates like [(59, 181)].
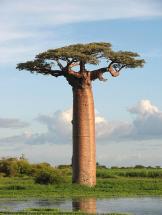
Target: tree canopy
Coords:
[(60, 61)]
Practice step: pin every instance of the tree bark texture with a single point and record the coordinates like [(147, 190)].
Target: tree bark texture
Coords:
[(84, 146)]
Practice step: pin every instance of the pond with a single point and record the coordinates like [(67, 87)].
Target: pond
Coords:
[(136, 206)]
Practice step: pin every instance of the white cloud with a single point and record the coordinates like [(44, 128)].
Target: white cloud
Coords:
[(59, 125), (12, 123), (61, 12), (144, 107), (148, 122), (146, 125), (51, 145), (14, 54), (34, 20)]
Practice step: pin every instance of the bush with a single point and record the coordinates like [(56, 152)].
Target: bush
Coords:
[(8, 167), (65, 169), (49, 177), (14, 166), (23, 167), (42, 172), (36, 168)]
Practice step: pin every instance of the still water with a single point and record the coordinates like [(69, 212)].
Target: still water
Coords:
[(136, 206)]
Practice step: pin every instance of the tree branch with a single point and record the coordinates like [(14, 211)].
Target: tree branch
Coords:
[(113, 71), (72, 72), (59, 64), (121, 68), (101, 78), (82, 66), (56, 73), (46, 71), (74, 64), (39, 66), (98, 74)]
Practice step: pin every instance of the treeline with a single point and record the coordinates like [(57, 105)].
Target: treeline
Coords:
[(44, 173), (138, 166)]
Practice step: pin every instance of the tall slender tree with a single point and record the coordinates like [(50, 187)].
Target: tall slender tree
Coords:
[(70, 62)]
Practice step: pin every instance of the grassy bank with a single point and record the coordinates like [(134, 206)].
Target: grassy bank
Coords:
[(20, 188), (20, 179)]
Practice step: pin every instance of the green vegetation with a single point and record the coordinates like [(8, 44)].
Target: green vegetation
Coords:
[(21, 188), (42, 173), (48, 211), (140, 172), (19, 180), (49, 177)]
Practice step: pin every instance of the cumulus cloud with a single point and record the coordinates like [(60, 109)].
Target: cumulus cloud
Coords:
[(146, 125), (144, 107), (12, 123), (58, 125), (54, 144), (148, 121), (58, 130)]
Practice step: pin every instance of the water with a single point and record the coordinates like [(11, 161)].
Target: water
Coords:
[(136, 206)]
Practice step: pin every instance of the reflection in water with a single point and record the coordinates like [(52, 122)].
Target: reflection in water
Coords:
[(87, 205), (140, 206)]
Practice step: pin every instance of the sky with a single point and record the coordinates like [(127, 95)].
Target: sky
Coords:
[(36, 111)]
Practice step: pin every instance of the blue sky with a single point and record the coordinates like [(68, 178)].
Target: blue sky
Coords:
[(34, 108)]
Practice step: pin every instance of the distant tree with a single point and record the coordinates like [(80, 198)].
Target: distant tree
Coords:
[(157, 167), (115, 167), (139, 166), (61, 62)]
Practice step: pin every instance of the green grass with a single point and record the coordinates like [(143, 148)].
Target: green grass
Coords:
[(48, 211), (116, 182), (129, 172), (21, 188)]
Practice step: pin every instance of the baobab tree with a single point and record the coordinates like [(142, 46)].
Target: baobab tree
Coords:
[(71, 62)]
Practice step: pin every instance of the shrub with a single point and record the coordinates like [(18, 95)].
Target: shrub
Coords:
[(49, 177), (14, 166), (8, 167), (23, 167), (65, 169), (36, 168)]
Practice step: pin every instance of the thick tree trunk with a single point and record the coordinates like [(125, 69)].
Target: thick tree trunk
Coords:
[(84, 147)]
